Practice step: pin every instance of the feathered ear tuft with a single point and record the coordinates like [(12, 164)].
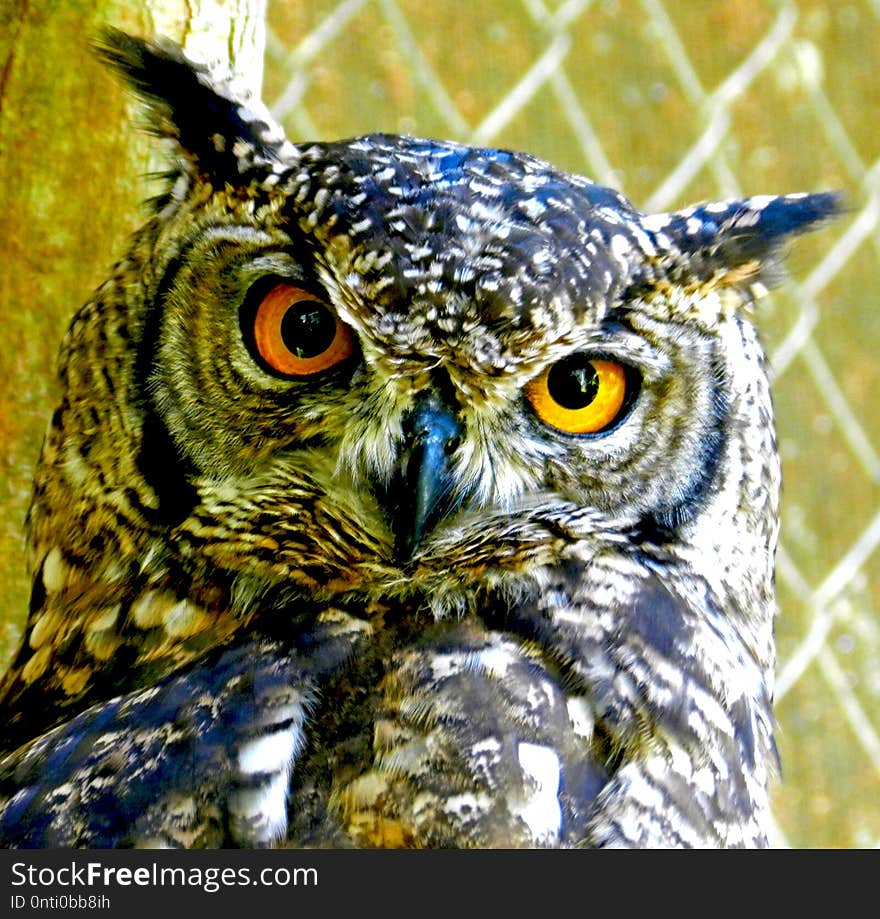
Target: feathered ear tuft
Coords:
[(221, 134), (739, 243)]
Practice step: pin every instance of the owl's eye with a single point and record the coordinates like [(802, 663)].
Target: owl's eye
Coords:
[(581, 395), (298, 335)]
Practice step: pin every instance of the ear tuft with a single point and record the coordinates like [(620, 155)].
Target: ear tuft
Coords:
[(740, 243), (220, 133)]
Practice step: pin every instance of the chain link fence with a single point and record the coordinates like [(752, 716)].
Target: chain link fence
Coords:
[(675, 102)]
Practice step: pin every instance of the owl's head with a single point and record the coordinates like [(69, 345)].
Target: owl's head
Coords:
[(390, 363)]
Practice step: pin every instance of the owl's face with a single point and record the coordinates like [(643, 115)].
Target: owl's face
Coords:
[(438, 348)]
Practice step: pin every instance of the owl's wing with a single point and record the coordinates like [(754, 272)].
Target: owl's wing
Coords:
[(203, 759)]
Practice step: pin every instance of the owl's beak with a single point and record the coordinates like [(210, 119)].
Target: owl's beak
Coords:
[(423, 484)]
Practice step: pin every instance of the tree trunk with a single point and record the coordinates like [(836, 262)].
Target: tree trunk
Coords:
[(71, 176)]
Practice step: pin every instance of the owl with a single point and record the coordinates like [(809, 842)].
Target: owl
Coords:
[(401, 494)]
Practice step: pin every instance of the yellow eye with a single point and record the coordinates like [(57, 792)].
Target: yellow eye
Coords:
[(579, 395), (298, 335)]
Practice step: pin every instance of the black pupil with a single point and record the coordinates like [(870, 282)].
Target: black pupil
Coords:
[(573, 382), (308, 329)]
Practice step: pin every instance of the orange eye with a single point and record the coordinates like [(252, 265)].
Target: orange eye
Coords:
[(579, 395), (298, 335)]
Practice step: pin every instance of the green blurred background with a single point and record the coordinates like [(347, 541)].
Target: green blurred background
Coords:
[(672, 101)]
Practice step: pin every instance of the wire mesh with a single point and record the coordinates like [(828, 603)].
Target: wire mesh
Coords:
[(675, 102)]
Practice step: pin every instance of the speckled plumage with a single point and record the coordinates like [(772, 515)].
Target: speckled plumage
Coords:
[(387, 603)]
